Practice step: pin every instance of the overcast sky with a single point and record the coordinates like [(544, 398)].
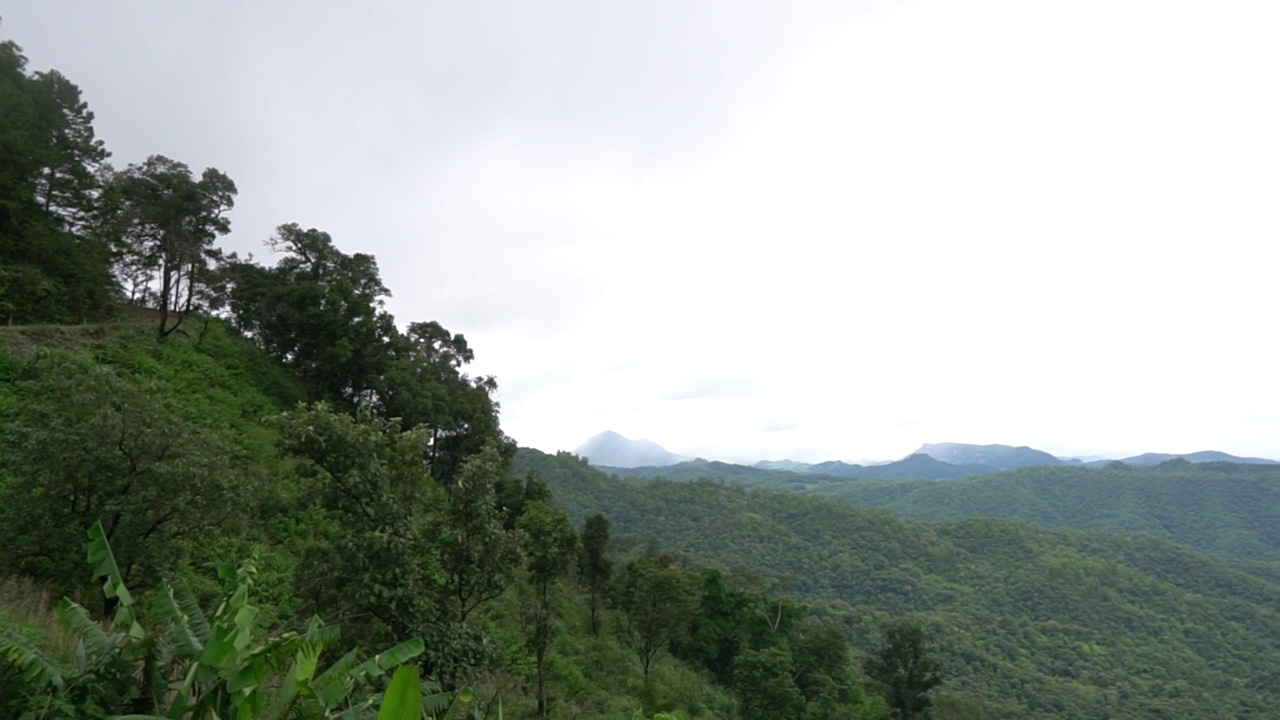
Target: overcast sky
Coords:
[(746, 230)]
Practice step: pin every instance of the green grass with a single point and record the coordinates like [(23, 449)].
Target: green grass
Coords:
[(29, 609)]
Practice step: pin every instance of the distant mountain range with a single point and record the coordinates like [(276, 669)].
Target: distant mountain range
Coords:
[(1203, 456), (947, 461), (1007, 457), (933, 461), (995, 457), (1047, 624)]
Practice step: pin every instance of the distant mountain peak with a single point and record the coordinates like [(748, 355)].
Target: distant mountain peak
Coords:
[(612, 449), (605, 436), (1203, 456), (997, 457), (787, 465)]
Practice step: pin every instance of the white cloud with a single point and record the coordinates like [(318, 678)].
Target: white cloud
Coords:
[(834, 231)]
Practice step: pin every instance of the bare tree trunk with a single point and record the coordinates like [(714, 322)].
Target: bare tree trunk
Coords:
[(163, 304)]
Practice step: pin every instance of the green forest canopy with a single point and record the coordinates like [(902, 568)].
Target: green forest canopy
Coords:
[(269, 438), (1230, 509), (344, 475), (1048, 623)]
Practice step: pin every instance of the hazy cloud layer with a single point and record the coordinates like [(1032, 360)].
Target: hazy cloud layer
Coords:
[(816, 230)]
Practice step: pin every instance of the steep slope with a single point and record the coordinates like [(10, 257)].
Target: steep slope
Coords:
[(220, 374), (1046, 624)]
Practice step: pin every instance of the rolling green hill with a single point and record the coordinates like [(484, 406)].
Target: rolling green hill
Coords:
[(911, 467), (737, 474), (1230, 509), (1227, 509), (1044, 623), (1204, 456)]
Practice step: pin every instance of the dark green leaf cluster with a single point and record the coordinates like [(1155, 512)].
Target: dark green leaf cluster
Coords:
[(52, 268), (319, 312), (904, 671), (184, 661), (84, 442), (780, 661)]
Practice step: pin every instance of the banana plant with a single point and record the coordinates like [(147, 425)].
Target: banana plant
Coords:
[(198, 665)]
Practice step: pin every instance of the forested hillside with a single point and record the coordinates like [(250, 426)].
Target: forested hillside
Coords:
[(911, 467), (237, 490), (193, 452), (1048, 624), (1230, 509)]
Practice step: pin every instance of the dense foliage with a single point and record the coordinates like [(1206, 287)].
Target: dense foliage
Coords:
[(51, 267), (345, 476), (181, 660), (287, 495), (1230, 509), (198, 457), (1039, 623)]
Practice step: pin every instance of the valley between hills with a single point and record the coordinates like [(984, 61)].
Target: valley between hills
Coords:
[(244, 491), (1062, 591)]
